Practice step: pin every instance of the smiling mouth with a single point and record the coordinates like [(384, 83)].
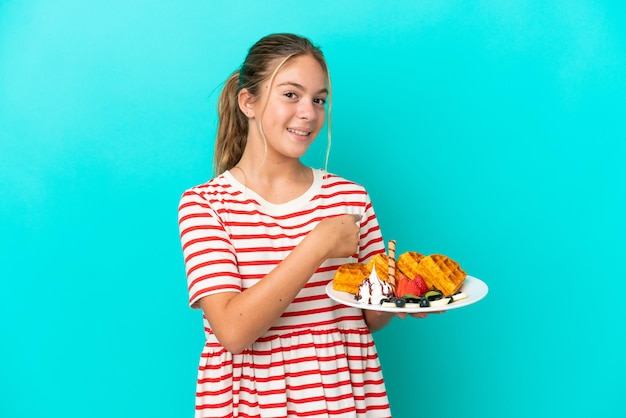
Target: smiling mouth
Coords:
[(299, 132)]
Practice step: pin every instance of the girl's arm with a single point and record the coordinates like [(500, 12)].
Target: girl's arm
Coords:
[(377, 320), (238, 319)]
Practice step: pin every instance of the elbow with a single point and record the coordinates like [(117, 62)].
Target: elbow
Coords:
[(233, 347), (376, 321), (230, 332), (232, 342)]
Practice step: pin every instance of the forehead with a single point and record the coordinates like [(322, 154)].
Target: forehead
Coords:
[(304, 70)]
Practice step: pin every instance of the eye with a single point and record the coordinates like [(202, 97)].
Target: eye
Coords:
[(291, 95), (320, 101)]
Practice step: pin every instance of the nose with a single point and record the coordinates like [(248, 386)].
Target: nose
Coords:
[(306, 110)]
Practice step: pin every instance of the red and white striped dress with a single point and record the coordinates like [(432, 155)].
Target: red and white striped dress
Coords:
[(319, 358)]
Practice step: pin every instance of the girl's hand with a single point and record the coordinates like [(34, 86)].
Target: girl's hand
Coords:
[(403, 315), (339, 235), (422, 314), (377, 320)]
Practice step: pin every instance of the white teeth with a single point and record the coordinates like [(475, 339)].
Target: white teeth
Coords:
[(297, 132)]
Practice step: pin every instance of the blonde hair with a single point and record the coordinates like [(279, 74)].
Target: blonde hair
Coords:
[(232, 127)]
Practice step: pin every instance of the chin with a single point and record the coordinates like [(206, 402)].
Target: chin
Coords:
[(298, 152)]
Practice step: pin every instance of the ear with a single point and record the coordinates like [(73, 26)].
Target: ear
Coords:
[(246, 103)]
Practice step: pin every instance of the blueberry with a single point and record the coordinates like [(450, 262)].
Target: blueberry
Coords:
[(400, 302), (424, 303)]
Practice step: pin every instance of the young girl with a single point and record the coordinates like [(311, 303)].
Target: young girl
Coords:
[(262, 240)]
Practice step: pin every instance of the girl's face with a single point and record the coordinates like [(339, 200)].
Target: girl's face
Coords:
[(295, 109)]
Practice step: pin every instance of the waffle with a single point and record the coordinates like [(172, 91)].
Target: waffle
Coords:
[(381, 261), (349, 276), (440, 272), (407, 263)]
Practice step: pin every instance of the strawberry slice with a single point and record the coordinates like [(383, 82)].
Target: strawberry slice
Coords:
[(416, 287), (402, 283)]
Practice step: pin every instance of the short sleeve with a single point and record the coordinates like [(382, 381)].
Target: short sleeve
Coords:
[(210, 260), (371, 240)]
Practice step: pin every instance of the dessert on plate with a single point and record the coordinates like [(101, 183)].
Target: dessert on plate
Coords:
[(349, 277), (373, 289), (413, 280), (438, 271)]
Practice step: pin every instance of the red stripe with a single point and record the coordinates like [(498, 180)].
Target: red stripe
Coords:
[(317, 324), (200, 227), (198, 294), (339, 193), (294, 214), (310, 311), (210, 263), (205, 251), (209, 276), (187, 244)]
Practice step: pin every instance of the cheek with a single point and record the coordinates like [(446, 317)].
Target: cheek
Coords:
[(274, 118), (321, 118), (280, 115)]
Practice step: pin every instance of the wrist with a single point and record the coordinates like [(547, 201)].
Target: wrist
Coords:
[(314, 248), (376, 320)]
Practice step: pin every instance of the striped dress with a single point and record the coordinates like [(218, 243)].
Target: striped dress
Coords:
[(319, 358)]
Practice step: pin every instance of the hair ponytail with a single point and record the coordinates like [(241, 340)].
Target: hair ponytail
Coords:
[(232, 127)]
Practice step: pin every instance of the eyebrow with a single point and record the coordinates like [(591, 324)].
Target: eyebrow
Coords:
[(300, 86)]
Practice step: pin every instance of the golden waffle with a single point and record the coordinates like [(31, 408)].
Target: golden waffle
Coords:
[(442, 273), (407, 263), (381, 261), (349, 276)]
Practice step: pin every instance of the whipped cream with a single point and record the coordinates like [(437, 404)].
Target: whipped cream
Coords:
[(372, 290)]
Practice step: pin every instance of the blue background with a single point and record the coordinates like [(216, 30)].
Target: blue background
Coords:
[(492, 131)]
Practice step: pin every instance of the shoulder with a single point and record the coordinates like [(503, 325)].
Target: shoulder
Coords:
[(335, 182), (218, 188), (212, 187), (210, 196)]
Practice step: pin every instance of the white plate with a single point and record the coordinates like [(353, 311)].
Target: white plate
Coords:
[(474, 288)]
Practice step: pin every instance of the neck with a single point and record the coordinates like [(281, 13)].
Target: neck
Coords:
[(257, 163), (275, 182), (271, 173)]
